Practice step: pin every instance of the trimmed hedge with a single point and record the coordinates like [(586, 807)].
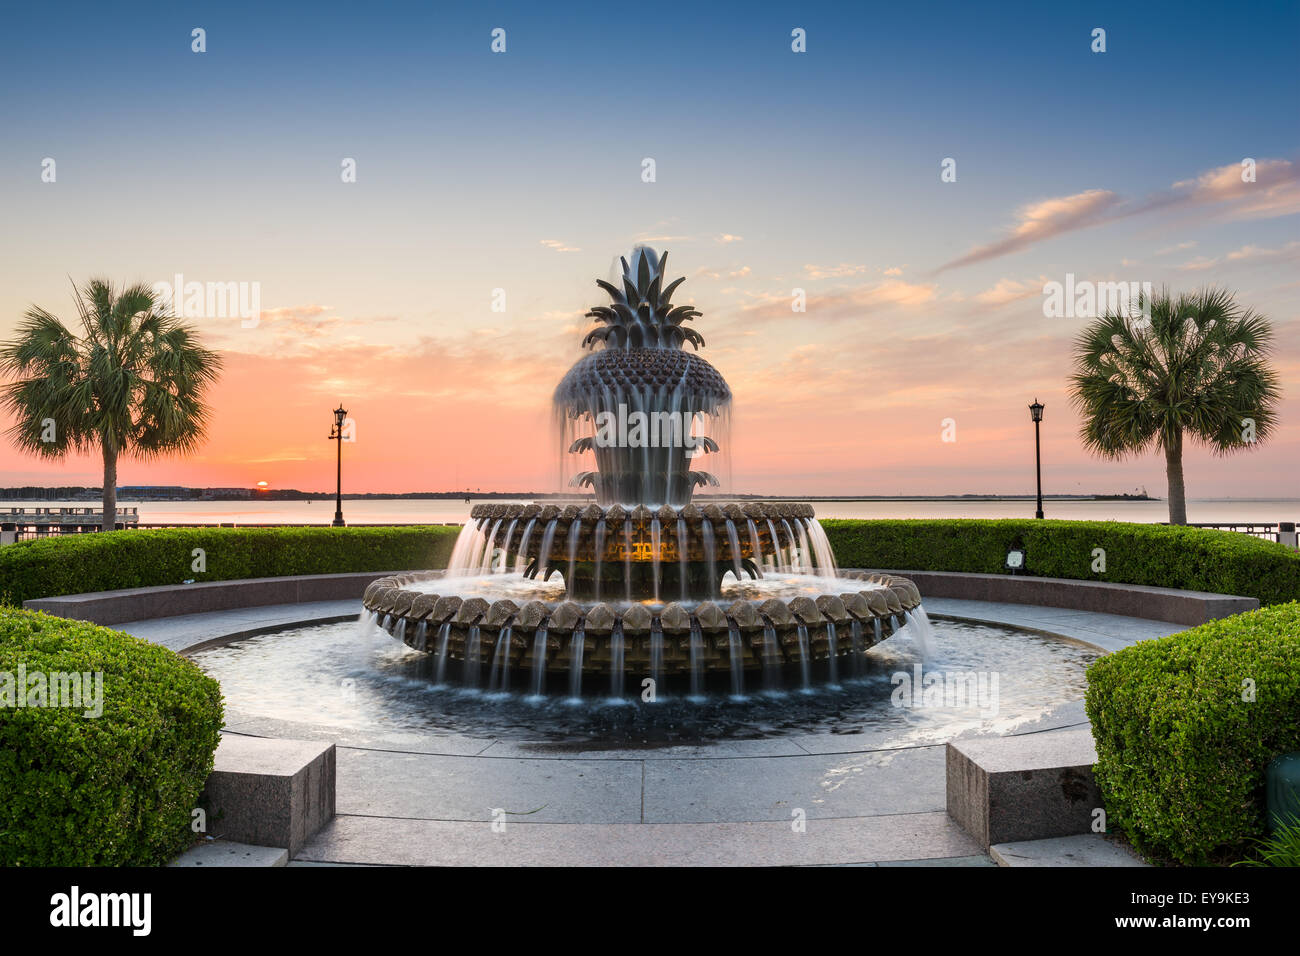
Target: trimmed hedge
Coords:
[(1180, 755), (109, 790), (1193, 559), (113, 560)]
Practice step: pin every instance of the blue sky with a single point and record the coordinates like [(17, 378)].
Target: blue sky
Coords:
[(521, 171)]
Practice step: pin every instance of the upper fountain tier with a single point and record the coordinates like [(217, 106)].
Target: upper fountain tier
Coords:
[(635, 402)]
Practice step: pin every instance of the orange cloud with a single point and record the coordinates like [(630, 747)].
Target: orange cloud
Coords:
[(1043, 220), (1276, 192)]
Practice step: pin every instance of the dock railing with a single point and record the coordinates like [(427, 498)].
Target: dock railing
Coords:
[(1281, 531)]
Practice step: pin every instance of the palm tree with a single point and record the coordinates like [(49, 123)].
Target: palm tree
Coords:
[(132, 383), (1196, 369)]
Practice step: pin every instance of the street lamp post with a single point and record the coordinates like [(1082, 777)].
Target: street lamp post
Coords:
[(336, 434), (1036, 413)]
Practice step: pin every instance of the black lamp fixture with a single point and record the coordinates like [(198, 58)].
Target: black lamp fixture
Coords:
[(1036, 413), (336, 434)]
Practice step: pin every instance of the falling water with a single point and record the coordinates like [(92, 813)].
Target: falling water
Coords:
[(833, 649), (654, 558), (656, 650), (421, 641), (710, 554), (616, 660), (805, 552), (855, 635), (484, 563), (735, 652), (574, 531), (470, 665), (521, 560), (627, 560), (918, 625), (501, 662), (575, 661), (734, 540), (805, 663), (776, 547), (796, 558), (505, 548), (697, 672), (771, 656), (365, 621), (823, 554), (401, 630), (754, 543), (683, 553), (544, 559), (880, 630), (443, 639), (600, 552), (469, 543), (539, 660)]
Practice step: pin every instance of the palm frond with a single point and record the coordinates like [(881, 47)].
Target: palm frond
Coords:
[(134, 383), (1198, 368)]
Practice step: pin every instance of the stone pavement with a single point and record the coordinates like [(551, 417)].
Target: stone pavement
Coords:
[(837, 799)]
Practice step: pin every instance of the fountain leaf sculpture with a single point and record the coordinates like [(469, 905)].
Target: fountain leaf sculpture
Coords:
[(632, 580)]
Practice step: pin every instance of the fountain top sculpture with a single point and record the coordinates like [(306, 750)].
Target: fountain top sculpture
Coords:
[(642, 314)]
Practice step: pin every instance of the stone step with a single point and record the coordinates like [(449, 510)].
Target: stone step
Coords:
[(1025, 787), (1085, 849), (211, 853), (270, 792), (369, 840)]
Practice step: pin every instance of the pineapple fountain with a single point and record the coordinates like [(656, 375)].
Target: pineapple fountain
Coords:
[(637, 580)]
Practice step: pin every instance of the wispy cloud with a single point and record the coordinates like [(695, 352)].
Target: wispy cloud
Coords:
[(559, 246), (833, 272), (837, 304), (1043, 220), (1275, 192), (1249, 253), (1005, 291)]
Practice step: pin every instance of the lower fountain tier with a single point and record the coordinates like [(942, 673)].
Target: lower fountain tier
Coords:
[(706, 637)]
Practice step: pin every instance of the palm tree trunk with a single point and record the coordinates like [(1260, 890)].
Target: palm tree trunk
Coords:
[(1174, 470), (110, 488)]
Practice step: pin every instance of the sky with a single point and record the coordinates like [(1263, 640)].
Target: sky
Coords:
[(775, 170)]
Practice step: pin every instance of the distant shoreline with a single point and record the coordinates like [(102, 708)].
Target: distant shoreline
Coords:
[(292, 494)]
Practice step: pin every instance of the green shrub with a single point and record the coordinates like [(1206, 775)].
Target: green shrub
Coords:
[(116, 789), (1280, 848), (1194, 559), (1181, 757), (110, 561)]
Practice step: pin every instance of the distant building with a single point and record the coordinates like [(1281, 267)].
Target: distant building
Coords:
[(156, 492), (218, 494)]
